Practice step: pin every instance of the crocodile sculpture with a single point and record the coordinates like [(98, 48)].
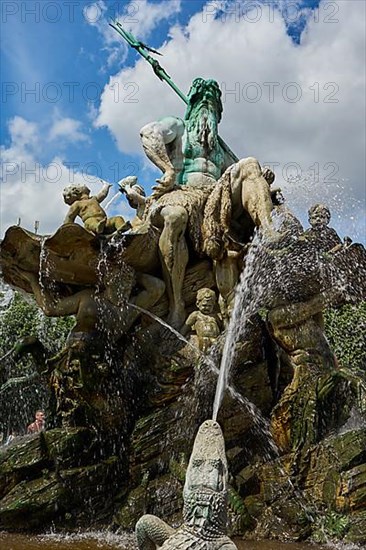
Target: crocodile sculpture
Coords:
[(205, 501)]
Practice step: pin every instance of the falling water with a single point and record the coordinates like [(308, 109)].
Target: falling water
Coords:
[(260, 423), (46, 268), (112, 200), (6, 355), (43, 268), (245, 305)]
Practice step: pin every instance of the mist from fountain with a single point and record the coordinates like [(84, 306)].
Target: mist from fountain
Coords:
[(260, 423), (111, 201), (250, 296)]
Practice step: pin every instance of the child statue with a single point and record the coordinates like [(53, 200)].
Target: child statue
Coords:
[(205, 322), (89, 210), (136, 197), (323, 237)]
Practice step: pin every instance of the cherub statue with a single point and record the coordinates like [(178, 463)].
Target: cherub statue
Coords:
[(89, 210), (136, 197), (325, 238), (205, 322)]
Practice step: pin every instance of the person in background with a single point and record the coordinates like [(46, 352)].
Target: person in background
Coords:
[(38, 425)]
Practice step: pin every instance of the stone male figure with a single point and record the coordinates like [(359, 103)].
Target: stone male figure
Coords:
[(102, 315), (298, 328), (190, 155), (89, 210)]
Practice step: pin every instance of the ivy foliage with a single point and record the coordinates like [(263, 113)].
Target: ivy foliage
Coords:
[(23, 318), (20, 394), (346, 331)]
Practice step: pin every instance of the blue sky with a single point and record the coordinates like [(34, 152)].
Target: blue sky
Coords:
[(69, 52), (41, 46), (65, 53)]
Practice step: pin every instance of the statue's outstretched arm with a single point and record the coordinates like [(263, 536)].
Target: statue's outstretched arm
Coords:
[(103, 193), (162, 143), (293, 314), (131, 193)]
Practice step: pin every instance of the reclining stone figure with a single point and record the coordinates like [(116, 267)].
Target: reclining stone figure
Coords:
[(102, 315), (205, 501)]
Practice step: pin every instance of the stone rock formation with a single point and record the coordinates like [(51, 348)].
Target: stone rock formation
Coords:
[(128, 392)]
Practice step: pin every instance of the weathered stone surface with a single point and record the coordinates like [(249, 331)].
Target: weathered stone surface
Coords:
[(326, 469), (284, 520), (253, 384), (72, 254), (71, 446), (357, 529), (352, 490), (154, 439), (33, 503), (330, 477), (159, 496), (22, 461)]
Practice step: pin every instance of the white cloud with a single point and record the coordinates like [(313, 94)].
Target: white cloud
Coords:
[(23, 133), (324, 128), (32, 191), (116, 49), (68, 129), (143, 17), (139, 17)]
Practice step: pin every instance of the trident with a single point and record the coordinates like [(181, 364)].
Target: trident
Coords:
[(160, 72)]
